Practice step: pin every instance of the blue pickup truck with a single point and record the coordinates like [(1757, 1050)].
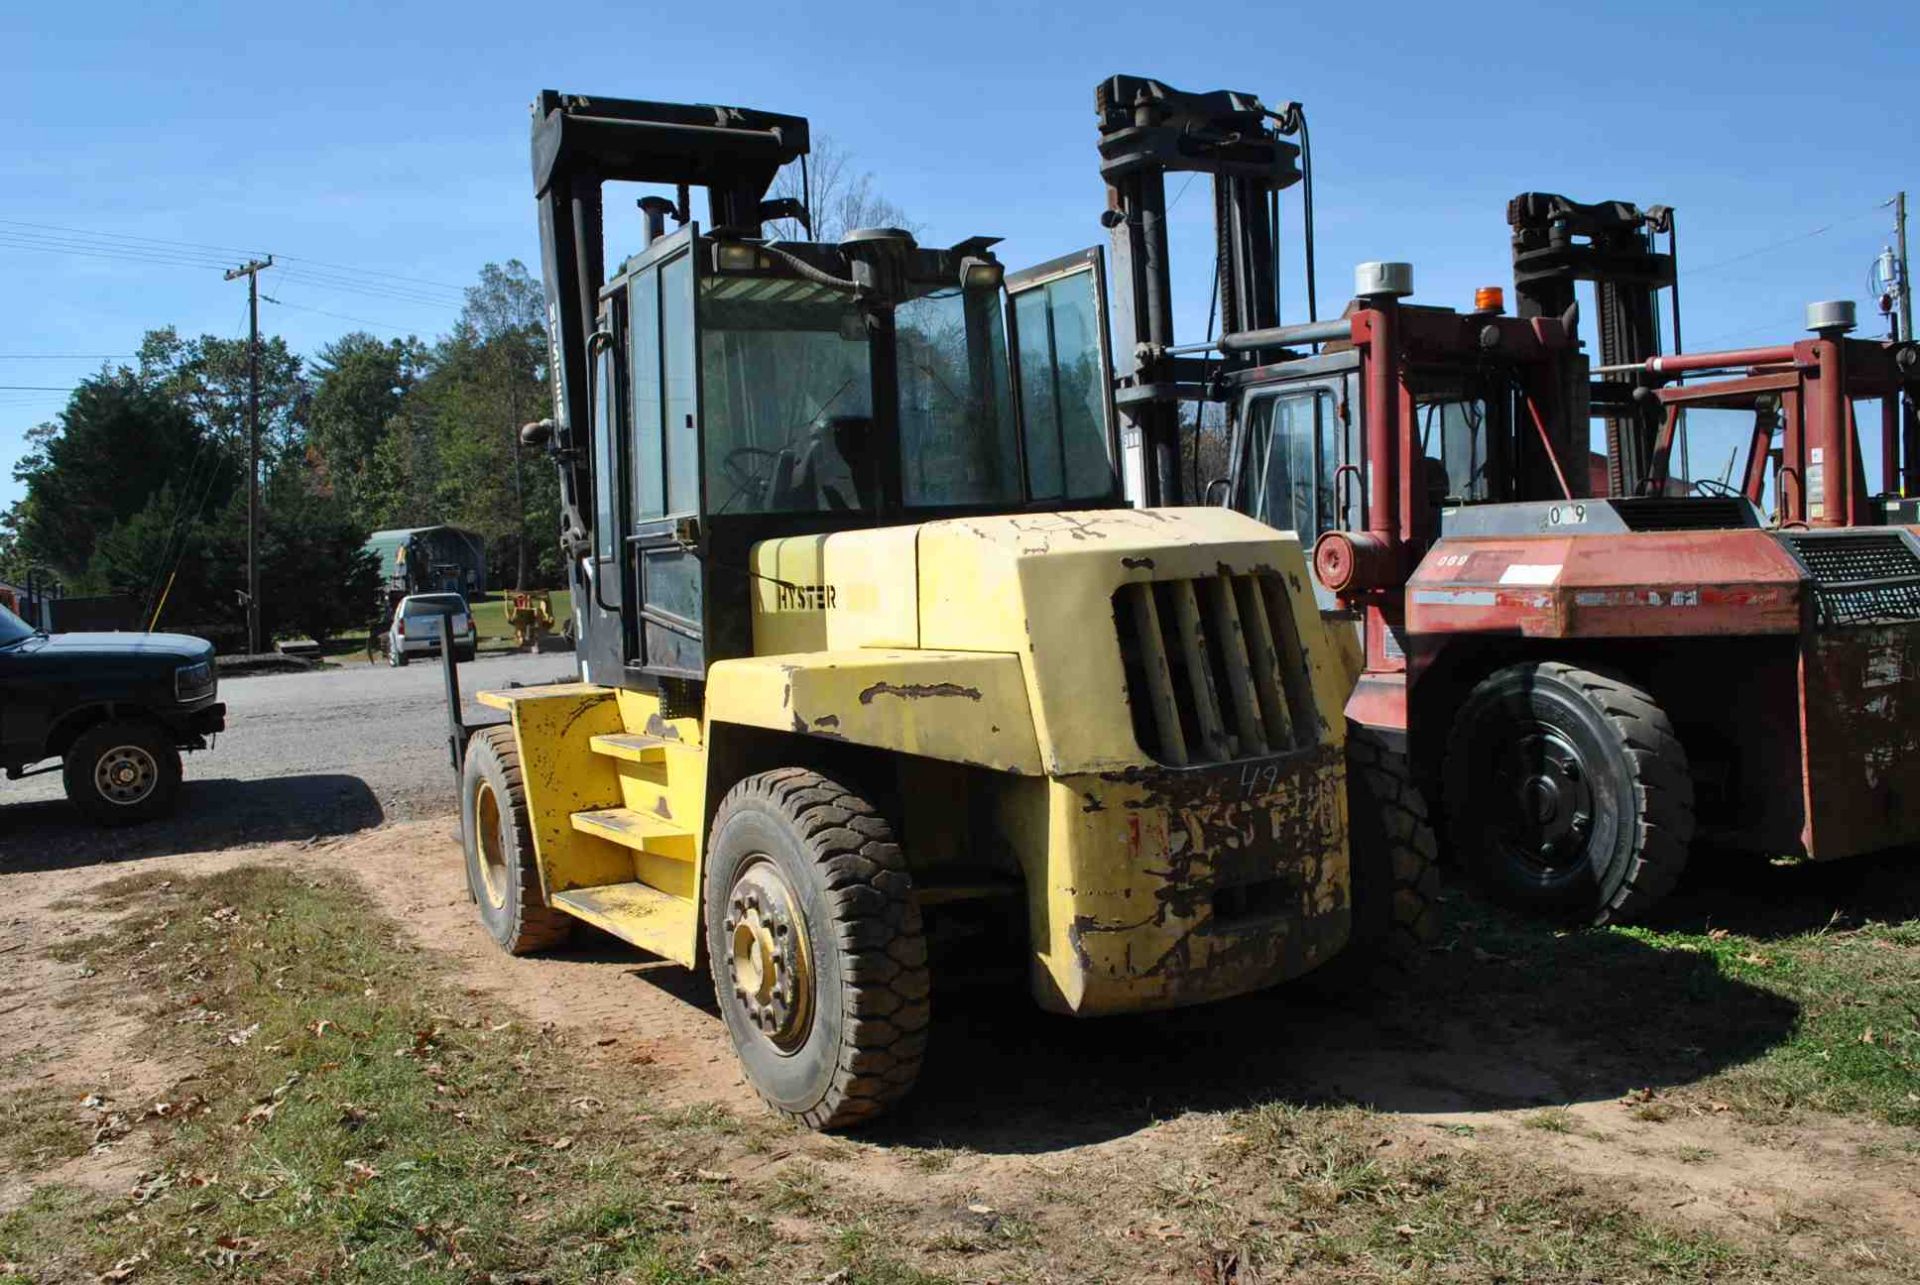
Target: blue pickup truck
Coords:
[(111, 711)]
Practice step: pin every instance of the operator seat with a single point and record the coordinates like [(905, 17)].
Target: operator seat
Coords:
[(833, 473)]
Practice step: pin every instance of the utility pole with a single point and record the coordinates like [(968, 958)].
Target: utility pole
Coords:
[(251, 271), (1906, 281)]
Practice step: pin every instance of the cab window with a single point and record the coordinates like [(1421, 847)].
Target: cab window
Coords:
[(1063, 389), (1291, 454)]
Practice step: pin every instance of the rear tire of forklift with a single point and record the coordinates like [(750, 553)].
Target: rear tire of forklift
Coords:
[(1568, 794), (502, 873), (1393, 872), (814, 939)]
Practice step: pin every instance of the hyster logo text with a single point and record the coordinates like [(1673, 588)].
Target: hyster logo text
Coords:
[(805, 597)]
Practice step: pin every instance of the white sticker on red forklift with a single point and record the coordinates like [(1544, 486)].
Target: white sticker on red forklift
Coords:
[(1531, 573)]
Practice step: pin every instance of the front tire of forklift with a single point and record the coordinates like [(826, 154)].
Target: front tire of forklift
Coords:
[(1568, 794), (814, 939), (501, 871)]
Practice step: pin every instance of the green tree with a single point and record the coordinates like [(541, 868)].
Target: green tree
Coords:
[(207, 377), (360, 390), (117, 443), (190, 572), (486, 378), (317, 578)]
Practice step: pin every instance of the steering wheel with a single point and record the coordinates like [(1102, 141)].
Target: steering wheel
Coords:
[(738, 467), (1714, 486)]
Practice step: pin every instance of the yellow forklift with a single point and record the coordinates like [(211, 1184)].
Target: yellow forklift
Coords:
[(874, 658)]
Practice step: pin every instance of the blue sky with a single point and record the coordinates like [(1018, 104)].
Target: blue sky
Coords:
[(378, 142)]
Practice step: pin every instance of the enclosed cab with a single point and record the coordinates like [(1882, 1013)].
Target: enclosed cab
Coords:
[(872, 654)]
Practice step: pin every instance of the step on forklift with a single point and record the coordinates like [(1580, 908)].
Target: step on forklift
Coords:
[(1583, 682), (874, 660)]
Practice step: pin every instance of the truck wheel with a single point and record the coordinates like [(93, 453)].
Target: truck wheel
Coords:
[(814, 939), (1393, 859), (1568, 794), (122, 772), (501, 871)]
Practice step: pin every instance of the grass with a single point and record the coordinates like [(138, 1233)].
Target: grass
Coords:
[(41, 1126), (1553, 1120), (1316, 1189), (357, 1117), (362, 1120), (1780, 991)]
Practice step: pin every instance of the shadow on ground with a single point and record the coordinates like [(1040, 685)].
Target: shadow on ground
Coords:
[(212, 813), (1509, 1014), (1745, 894)]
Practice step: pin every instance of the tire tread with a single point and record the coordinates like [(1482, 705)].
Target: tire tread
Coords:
[(1662, 781), (884, 978)]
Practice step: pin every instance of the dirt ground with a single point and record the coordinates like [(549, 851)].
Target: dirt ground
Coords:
[(1012, 1100)]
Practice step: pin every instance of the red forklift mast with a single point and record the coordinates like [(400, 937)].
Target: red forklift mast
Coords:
[(1558, 243)]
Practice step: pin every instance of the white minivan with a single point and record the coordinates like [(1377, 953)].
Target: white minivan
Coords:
[(415, 629)]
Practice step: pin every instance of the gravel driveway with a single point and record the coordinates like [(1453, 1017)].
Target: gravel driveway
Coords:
[(304, 755)]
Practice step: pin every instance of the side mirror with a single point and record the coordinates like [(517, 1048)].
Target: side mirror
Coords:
[(538, 433)]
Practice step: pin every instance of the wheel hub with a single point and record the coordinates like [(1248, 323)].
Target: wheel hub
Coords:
[(126, 774), (1549, 799), (772, 967), (493, 857)]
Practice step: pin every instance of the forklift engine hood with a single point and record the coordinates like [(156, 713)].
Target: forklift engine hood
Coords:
[(1163, 866)]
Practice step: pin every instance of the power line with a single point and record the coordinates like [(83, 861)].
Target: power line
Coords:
[(127, 236), (1780, 244), (66, 356), (36, 388), (323, 274), (340, 316)]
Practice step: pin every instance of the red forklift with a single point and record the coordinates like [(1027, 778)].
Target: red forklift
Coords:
[(1584, 683)]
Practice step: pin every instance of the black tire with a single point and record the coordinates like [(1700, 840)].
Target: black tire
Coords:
[(502, 873), (464, 654), (397, 658), (1393, 861), (842, 1037), (122, 772), (1568, 794)]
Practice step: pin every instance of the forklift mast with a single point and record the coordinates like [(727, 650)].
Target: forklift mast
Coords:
[(1147, 131), (1558, 243), (581, 143)]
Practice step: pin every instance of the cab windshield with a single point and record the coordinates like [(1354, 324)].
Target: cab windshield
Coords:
[(13, 629), (787, 400)]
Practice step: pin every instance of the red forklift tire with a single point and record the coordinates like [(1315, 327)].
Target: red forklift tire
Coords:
[(1568, 794), (502, 873), (122, 772), (814, 939)]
